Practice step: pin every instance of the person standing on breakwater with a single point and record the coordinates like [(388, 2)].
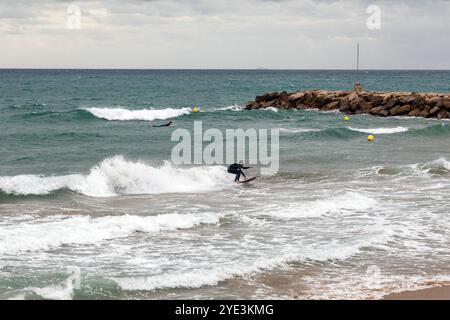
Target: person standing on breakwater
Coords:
[(236, 168)]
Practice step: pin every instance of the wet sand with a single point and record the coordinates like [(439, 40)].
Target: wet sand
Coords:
[(438, 293)]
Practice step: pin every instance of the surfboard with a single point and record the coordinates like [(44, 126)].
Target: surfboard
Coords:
[(247, 180)]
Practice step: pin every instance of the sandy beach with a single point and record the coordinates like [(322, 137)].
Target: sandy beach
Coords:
[(438, 293)]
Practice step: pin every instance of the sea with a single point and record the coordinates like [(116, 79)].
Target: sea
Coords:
[(92, 207)]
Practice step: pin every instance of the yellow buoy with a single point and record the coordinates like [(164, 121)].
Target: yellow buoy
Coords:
[(370, 138), (346, 118), (195, 110)]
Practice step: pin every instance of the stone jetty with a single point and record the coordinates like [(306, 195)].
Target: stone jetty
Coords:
[(357, 101)]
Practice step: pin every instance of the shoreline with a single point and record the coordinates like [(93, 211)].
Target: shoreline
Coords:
[(358, 101), (435, 293)]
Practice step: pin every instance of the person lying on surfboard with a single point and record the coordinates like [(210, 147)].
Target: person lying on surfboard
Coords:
[(168, 124), (236, 168)]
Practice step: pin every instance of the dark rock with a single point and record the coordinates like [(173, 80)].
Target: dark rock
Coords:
[(443, 115), (332, 105), (407, 99), (284, 96), (415, 113), (432, 101), (384, 113), (446, 105), (434, 111), (418, 102), (366, 107), (297, 96), (400, 110), (251, 105), (376, 100), (267, 97), (391, 103), (376, 110)]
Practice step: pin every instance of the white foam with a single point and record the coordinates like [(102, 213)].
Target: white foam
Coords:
[(273, 109), (115, 176), (230, 108), (440, 163), (43, 234), (200, 277), (119, 114), (380, 130), (349, 201), (63, 291), (298, 130)]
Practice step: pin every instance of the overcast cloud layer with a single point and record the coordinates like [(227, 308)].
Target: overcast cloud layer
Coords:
[(288, 34)]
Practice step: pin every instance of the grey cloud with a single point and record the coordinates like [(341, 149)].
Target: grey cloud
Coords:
[(225, 34)]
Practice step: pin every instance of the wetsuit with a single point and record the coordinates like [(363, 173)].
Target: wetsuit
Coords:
[(236, 169), (164, 125)]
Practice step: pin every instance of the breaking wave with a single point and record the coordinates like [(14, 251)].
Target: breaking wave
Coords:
[(118, 176), (119, 114)]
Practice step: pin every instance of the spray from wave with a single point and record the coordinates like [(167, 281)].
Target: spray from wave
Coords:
[(436, 167), (119, 114), (230, 108), (118, 176)]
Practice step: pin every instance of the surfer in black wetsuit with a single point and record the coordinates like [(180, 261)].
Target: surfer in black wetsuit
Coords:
[(168, 124), (236, 168)]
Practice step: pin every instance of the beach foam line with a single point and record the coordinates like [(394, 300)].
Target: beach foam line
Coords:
[(196, 278), (380, 130), (42, 234), (120, 114), (118, 176)]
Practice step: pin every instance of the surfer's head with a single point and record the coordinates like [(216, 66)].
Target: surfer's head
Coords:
[(241, 162)]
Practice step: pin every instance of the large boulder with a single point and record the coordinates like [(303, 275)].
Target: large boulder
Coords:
[(418, 102), (366, 107), (376, 110), (297, 96), (432, 101), (446, 104), (434, 112), (267, 104), (408, 99), (267, 97), (392, 102), (251, 105), (443, 114), (400, 110), (332, 106), (375, 99), (415, 112)]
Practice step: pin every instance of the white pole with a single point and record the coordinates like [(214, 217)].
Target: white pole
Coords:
[(357, 57)]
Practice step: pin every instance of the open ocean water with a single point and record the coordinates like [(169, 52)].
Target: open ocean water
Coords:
[(92, 208)]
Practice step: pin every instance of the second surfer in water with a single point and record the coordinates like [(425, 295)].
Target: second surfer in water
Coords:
[(236, 168), (168, 124)]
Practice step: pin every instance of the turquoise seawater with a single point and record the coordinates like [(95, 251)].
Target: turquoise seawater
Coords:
[(87, 190)]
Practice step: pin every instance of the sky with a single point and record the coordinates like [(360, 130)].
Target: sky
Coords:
[(226, 34)]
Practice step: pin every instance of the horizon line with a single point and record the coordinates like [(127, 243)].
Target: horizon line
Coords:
[(226, 69)]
